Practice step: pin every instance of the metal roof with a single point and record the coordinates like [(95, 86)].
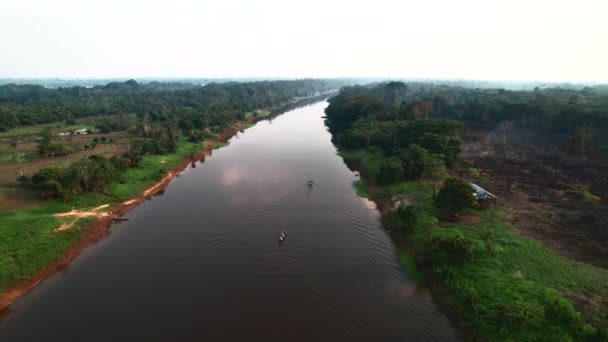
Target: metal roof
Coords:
[(481, 193)]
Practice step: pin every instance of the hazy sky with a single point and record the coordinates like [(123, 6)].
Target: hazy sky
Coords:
[(485, 39)]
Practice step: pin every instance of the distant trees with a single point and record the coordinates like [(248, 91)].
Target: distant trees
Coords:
[(456, 195), (213, 104)]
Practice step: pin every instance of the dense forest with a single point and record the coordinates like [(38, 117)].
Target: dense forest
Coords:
[(581, 113), (23, 105)]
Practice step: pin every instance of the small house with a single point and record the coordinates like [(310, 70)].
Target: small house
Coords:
[(482, 195), (83, 131)]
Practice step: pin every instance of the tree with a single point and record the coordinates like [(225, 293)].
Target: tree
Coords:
[(435, 170), (45, 144), (414, 159), (456, 195), (391, 170), (48, 180), (408, 217)]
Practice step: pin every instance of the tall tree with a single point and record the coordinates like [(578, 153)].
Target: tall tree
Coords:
[(435, 170)]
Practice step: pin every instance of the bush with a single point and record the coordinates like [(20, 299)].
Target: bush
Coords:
[(456, 195), (415, 160), (23, 180), (391, 170), (561, 310), (408, 217), (457, 249), (520, 314)]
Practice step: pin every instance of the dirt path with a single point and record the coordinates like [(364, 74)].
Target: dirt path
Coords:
[(75, 214)]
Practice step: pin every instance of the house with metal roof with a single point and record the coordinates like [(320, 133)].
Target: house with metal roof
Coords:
[(482, 195)]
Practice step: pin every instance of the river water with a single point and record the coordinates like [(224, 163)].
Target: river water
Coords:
[(203, 261)]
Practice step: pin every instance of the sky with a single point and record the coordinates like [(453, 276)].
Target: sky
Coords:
[(551, 40)]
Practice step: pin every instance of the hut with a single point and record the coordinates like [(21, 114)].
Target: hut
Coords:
[(483, 196)]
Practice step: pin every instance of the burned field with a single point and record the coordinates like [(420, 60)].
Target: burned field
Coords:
[(554, 197)]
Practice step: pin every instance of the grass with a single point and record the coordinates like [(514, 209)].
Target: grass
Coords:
[(512, 288), (27, 237), (260, 113)]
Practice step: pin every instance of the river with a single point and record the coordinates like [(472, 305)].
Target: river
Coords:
[(203, 261)]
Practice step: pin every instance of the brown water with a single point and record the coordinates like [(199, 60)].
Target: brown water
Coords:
[(203, 262)]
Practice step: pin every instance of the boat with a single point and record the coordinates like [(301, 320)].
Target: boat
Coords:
[(310, 183), (282, 236)]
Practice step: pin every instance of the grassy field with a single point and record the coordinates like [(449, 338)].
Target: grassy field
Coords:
[(511, 288)]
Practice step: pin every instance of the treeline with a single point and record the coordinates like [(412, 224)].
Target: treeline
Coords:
[(557, 109), (159, 130), (23, 105), (581, 113)]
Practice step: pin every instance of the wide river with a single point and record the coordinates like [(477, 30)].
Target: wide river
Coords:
[(203, 262)]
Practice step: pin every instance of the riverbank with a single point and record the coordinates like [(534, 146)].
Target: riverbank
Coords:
[(44, 240), (494, 283)]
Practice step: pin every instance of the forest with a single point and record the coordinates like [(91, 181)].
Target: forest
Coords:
[(24, 105), (582, 113)]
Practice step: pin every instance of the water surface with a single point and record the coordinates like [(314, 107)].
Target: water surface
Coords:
[(203, 261)]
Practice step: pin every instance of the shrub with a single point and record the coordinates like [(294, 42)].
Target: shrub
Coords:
[(561, 309), (457, 249), (456, 195), (415, 160), (23, 180), (520, 314), (408, 217), (391, 170)]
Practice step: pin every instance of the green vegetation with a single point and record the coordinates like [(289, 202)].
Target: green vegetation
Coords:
[(500, 285), (408, 264), (361, 188), (456, 195)]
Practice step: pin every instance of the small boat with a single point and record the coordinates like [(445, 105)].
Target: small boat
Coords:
[(282, 236), (310, 183)]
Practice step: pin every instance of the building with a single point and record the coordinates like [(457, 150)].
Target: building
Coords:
[(482, 195)]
